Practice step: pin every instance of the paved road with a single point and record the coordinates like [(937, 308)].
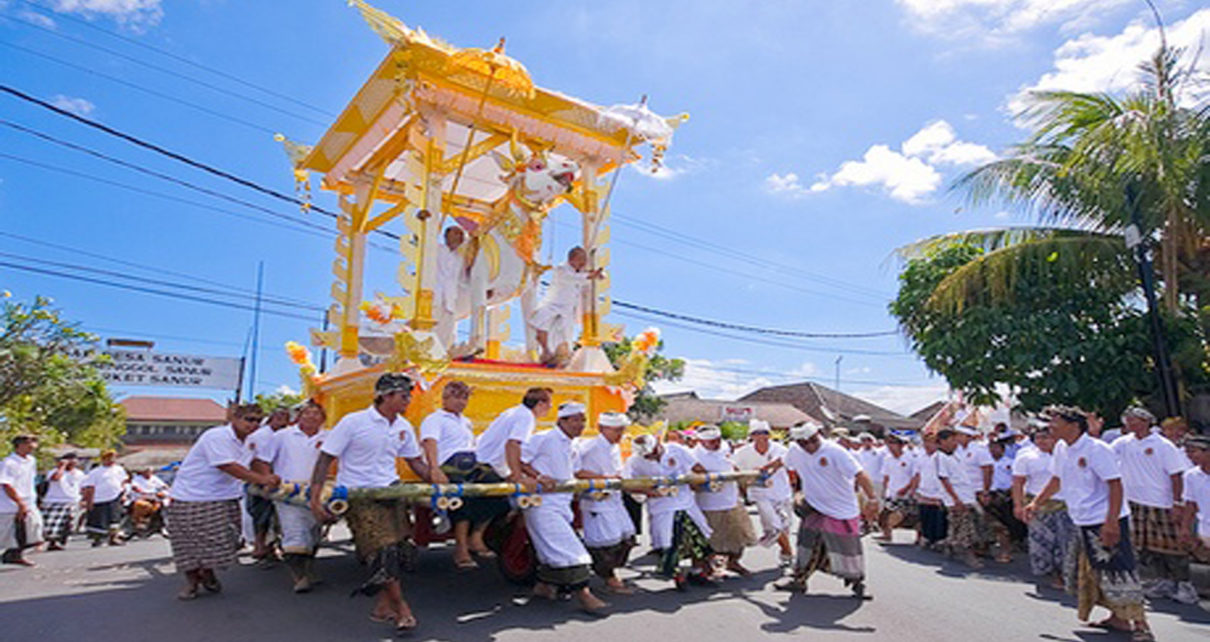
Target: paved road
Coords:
[(127, 595)]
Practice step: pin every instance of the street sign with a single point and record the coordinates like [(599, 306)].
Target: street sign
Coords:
[(146, 368), (740, 414)]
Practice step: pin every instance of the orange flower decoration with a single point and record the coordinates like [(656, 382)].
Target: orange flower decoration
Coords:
[(647, 340), (299, 353)]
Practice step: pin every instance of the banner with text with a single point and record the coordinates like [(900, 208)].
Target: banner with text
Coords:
[(146, 368)]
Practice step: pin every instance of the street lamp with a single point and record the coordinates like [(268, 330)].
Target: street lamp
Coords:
[(1136, 243)]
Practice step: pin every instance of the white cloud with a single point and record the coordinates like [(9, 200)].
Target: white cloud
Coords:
[(40, 19), (998, 20), (904, 399), (909, 174), (674, 167), (730, 378), (1091, 63), (135, 14), (77, 106)]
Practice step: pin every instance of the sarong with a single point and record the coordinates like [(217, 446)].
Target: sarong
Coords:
[(299, 529), (103, 519), (1052, 537), (567, 579), (688, 542), (19, 535), (829, 545), (963, 528), (262, 513), (1000, 511), (1156, 536), (58, 520), (381, 536), (462, 468), (732, 530), (904, 507), (1107, 577), (204, 534), (607, 559), (934, 523)]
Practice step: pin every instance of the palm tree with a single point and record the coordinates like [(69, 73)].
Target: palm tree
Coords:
[(1072, 173)]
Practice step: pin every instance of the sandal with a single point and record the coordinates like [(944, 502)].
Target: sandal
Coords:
[(1142, 635), (187, 593), (405, 623), (484, 554), (467, 564), (381, 619), (212, 584)]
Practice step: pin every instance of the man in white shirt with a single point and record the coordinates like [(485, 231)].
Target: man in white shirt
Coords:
[(564, 565), (1087, 473), (554, 319), (291, 455), (204, 514), (1152, 469), (934, 523), (774, 497), (452, 283), (998, 501), (829, 537), (731, 527), (20, 519), (1196, 493), (102, 490), (964, 512), (448, 440), (608, 530), (678, 527), (146, 502), (900, 478), (366, 444), (499, 445), (260, 509), (1051, 533), (62, 499)]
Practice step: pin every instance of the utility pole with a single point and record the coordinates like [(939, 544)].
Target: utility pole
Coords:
[(1136, 242), (260, 281), (838, 360)]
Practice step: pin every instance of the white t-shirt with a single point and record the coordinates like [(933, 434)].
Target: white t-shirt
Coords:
[(1002, 473), (107, 481), (827, 478), (898, 471), (675, 460), (716, 461), (367, 446), (515, 424), (291, 453), (953, 468), (1147, 466), (1084, 469), (65, 489), (259, 440), (598, 456), (974, 456), (453, 434), (550, 453), (1034, 465), (930, 481), (18, 472), (747, 458), (1197, 490), (199, 479), (871, 462), (146, 487)]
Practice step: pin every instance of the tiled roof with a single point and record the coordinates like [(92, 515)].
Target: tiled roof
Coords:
[(682, 407), (173, 409), (813, 399)]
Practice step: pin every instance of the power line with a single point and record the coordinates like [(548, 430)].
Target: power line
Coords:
[(175, 74), (186, 61), (753, 329)]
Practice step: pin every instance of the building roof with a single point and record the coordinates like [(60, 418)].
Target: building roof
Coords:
[(831, 406), (173, 409), (688, 407), (928, 412)]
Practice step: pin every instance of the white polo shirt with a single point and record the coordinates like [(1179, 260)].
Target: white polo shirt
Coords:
[(1197, 490), (453, 434), (146, 487), (1085, 469), (291, 453), (1147, 467), (199, 479), (367, 446), (871, 462), (975, 456), (930, 481), (675, 460), (1002, 473), (259, 440), (515, 424), (747, 458), (1034, 466), (18, 472), (65, 489), (827, 478), (716, 461), (953, 468), (550, 453), (898, 472), (107, 482), (598, 456)]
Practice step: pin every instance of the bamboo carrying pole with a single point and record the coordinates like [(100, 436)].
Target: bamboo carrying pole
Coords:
[(450, 496)]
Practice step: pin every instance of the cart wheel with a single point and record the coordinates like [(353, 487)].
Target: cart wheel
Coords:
[(515, 558)]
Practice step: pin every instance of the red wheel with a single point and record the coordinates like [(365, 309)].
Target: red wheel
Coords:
[(514, 555)]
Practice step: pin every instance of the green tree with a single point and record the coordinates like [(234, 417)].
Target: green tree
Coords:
[(1073, 341), (283, 398), (46, 389), (659, 368)]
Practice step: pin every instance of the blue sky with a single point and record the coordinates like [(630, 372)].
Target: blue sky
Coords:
[(822, 136)]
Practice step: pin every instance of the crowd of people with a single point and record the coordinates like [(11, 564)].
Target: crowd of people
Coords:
[(1113, 517)]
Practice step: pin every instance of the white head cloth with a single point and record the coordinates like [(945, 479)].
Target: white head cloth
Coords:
[(643, 445), (571, 408), (707, 433), (804, 431), (758, 426), (613, 420)]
